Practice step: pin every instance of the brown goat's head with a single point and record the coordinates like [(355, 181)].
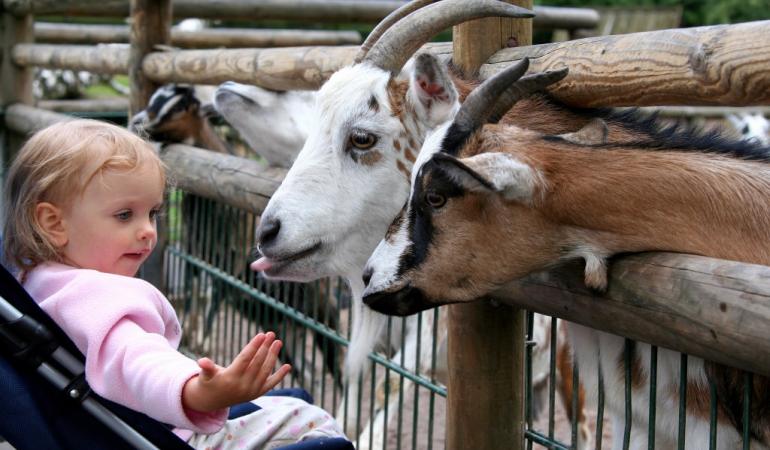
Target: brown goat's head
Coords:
[(469, 223)]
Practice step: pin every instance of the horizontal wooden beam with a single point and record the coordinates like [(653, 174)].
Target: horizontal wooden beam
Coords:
[(105, 58), (68, 33), (240, 182), (715, 65), (107, 104), (371, 11), (280, 68), (711, 308)]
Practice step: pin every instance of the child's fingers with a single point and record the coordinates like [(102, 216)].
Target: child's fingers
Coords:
[(259, 357), (242, 361), (269, 363), (273, 380)]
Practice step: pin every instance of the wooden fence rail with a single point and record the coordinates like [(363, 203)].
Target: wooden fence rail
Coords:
[(65, 33), (711, 308), (337, 11), (715, 65)]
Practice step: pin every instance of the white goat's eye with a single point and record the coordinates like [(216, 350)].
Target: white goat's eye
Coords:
[(434, 199), (363, 141)]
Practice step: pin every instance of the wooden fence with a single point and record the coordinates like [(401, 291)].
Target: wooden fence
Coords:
[(709, 308)]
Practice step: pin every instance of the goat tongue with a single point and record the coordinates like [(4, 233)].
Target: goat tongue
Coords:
[(261, 264)]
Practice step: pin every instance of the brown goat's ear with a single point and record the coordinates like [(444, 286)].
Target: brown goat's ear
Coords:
[(593, 133), (432, 90), (492, 172)]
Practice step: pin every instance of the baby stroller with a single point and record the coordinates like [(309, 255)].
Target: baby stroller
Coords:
[(45, 402)]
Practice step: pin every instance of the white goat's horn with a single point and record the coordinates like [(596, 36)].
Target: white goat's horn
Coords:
[(387, 22), (402, 40), (523, 88)]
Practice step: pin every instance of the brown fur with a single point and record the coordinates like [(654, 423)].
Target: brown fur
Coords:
[(616, 200), (565, 367)]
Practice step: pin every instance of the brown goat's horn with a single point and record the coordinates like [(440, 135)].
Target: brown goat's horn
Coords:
[(481, 102), (523, 88), (387, 22), (402, 40)]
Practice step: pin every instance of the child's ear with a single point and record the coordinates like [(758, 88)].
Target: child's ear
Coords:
[(51, 222)]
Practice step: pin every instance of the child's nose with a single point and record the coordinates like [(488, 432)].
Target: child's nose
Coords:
[(147, 230)]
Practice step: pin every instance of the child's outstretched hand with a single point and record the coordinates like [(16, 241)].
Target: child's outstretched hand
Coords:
[(249, 376)]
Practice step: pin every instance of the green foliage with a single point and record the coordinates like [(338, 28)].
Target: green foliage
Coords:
[(695, 12)]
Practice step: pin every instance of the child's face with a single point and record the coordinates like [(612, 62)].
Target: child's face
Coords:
[(111, 227)]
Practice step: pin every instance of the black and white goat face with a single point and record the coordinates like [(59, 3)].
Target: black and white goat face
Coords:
[(167, 113), (274, 124), (352, 175)]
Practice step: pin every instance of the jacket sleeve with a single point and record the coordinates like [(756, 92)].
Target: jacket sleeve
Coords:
[(123, 327)]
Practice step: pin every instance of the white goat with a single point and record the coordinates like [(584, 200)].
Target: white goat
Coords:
[(274, 124), (508, 202), (352, 176)]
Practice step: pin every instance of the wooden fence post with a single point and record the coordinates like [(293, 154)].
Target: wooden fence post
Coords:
[(15, 80), (150, 26), (485, 401)]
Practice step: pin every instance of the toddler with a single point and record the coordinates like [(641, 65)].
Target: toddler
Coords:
[(83, 198)]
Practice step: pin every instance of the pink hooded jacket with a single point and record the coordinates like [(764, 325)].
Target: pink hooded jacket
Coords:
[(129, 334)]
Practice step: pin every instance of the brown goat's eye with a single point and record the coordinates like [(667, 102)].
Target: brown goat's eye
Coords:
[(363, 141), (434, 200)]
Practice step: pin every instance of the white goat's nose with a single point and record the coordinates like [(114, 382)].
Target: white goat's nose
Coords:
[(367, 276), (268, 231)]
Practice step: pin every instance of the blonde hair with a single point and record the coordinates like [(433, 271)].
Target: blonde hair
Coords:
[(55, 165)]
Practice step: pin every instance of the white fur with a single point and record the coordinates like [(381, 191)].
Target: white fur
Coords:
[(274, 124), (752, 127)]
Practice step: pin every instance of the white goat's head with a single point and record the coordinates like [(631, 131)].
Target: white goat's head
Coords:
[(752, 127), (352, 175), (274, 124)]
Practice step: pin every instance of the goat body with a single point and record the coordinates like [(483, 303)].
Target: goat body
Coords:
[(507, 202)]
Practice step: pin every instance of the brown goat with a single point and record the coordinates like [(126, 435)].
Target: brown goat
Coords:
[(504, 201)]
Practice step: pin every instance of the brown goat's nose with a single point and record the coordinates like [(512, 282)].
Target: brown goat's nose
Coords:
[(268, 231), (367, 276)]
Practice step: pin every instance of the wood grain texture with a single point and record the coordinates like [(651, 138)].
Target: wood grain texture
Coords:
[(485, 392), (280, 69), (718, 65), (63, 33), (239, 182), (715, 65), (371, 11), (15, 80), (711, 308), (105, 58), (150, 22)]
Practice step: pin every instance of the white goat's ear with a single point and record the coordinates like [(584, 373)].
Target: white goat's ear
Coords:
[(432, 90), (492, 172), (593, 133)]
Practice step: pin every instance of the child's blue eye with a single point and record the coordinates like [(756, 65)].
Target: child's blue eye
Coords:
[(123, 215)]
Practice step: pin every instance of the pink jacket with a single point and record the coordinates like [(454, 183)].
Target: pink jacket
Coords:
[(129, 333)]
